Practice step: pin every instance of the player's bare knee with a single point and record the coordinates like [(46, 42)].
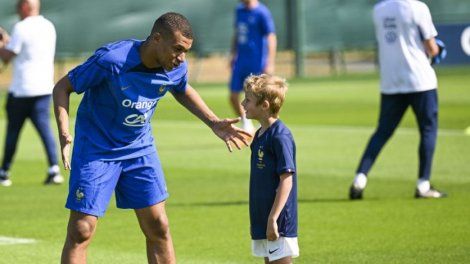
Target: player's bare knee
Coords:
[(81, 231), (158, 229)]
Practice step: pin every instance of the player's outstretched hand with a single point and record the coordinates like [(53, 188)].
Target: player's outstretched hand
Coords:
[(231, 134), (65, 143)]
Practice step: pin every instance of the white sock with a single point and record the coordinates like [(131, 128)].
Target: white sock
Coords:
[(423, 185), (54, 169), (360, 181)]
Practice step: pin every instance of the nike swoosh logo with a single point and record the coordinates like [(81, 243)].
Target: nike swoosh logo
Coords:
[(125, 87), (270, 252)]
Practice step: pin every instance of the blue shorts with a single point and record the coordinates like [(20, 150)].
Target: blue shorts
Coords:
[(138, 183), (239, 75)]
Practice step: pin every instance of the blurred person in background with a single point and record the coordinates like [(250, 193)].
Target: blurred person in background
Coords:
[(406, 39), (31, 48), (253, 50)]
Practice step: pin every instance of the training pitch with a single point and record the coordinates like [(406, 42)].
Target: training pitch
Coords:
[(331, 119)]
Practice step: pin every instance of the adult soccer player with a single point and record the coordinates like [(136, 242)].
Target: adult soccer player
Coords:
[(406, 38), (114, 148), (31, 49), (253, 50)]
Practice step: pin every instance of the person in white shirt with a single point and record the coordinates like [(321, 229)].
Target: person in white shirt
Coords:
[(406, 39), (31, 48)]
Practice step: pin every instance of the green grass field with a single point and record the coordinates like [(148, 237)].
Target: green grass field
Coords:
[(331, 119)]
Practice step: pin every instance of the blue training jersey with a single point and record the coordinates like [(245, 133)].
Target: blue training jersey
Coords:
[(120, 97), (272, 154), (252, 27)]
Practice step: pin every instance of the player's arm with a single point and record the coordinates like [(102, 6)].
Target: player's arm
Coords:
[(223, 128), (272, 47), (6, 55), (61, 97), (431, 47), (282, 194)]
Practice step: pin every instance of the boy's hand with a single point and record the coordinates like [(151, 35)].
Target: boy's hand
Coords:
[(271, 231)]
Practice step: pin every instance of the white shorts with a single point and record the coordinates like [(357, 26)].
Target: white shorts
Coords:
[(274, 250)]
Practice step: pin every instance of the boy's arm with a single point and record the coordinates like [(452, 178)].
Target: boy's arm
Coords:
[(283, 191), (61, 96)]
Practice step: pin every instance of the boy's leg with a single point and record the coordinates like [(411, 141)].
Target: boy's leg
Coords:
[(80, 231), (286, 260), (154, 224)]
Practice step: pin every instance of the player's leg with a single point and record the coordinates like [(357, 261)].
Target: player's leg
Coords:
[(142, 187), (17, 111), (154, 224), (236, 90), (40, 117), (91, 186), (80, 231), (425, 107), (392, 109)]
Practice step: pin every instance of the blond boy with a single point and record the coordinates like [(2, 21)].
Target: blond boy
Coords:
[(273, 179)]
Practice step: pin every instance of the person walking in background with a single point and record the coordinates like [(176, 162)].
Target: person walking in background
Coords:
[(114, 149), (273, 172), (253, 50), (406, 39), (31, 47)]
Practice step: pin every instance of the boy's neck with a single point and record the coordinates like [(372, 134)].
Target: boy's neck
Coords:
[(266, 123)]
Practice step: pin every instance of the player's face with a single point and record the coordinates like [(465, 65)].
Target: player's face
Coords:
[(253, 110), (172, 49)]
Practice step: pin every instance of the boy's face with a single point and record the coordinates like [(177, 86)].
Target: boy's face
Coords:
[(253, 110)]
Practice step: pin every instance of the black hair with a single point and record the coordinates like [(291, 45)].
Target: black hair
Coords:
[(172, 22)]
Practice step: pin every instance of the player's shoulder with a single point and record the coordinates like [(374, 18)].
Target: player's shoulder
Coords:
[(281, 131), (418, 3), (384, 4), (240, 7), (179, 72), (262, 9), (118, 54)]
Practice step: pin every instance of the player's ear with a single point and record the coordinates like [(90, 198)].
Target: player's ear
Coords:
[(156, 37), (265, 104)]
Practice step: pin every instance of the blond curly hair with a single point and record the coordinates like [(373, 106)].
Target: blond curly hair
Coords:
[(267, 87)]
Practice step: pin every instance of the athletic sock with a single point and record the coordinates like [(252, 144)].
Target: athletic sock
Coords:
[(54, 169), (360, 181), (423, 185)]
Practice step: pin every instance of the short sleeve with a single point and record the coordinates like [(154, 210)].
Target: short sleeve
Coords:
[(424, 22), (284, 150), (16, 41), (267, 22), (180, 87), (88, 75)]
